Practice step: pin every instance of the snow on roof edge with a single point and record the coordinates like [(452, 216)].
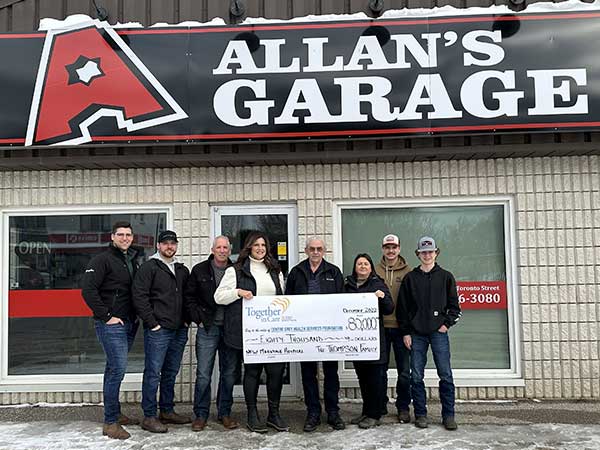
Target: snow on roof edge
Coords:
[(569, 5)]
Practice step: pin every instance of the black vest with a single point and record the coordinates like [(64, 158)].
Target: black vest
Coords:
[(232, 326)]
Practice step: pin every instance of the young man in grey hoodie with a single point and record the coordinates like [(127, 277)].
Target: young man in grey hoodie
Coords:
[(392, 268)]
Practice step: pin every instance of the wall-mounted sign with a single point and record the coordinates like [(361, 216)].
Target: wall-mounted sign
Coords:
[(482, 294), (386, 77)]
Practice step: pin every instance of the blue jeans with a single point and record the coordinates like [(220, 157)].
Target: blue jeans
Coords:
[(163, 350), (208, 343), (116, 341), (393, 339), (310, 385), (440, 347)]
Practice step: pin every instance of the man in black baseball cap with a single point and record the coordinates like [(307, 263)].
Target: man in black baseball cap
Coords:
[(167, 235), (158, 299)]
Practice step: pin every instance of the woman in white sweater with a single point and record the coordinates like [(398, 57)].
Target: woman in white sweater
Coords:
[(256, 272)]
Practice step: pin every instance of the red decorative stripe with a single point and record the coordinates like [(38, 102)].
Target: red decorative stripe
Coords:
[(347, 133), (25, 304), (23, 36)]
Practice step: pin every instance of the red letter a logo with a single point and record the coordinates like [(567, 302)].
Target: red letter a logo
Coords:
[(86, 73)]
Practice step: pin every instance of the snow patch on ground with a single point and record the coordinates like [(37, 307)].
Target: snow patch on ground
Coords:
[(49, 405), (87, 435)]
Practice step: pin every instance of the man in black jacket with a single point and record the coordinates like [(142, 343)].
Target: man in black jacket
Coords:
[(106, 289), (427, 307), (158, 299), (201, 306), (314, 275)]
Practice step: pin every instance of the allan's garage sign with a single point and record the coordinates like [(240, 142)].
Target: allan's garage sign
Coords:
[(412, 76)]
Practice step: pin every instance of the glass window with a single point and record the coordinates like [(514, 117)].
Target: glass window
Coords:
[(237, 227), (275, 226), (472, 244), (50, 329)]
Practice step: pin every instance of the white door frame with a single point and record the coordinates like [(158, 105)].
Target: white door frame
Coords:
[(254, 209)]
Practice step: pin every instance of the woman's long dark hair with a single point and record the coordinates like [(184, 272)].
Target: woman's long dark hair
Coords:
[(368, 258), (246, 250)]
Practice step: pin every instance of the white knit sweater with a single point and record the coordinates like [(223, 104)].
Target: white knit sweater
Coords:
[(227, 292)]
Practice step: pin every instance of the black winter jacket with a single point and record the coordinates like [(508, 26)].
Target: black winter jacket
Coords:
[(158, 294), (106, 284), (386, 305), (199, 293), (232, 327), (331, 280), (426, 301)]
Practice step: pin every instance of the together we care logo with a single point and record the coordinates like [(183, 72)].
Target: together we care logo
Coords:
[(274, 312), (281, 302)]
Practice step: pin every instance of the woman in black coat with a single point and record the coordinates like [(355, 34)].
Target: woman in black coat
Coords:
[(256, 272), (370, 373)]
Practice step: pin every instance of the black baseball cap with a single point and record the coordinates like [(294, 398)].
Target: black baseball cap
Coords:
[(167, 235)]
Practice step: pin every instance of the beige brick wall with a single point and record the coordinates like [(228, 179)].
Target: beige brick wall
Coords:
[(557, 204)]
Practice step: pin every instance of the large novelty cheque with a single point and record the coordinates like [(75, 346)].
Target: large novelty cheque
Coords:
[(329, 327)]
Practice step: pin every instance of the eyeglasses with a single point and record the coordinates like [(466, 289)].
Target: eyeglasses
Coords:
[(121, 235), (315, 249)]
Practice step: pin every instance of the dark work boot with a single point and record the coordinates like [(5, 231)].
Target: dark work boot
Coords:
[(274, 420), (336, 421), (153, 425), (254, 423), (449, 423), (174, 418), (311, 423), (358, 419), (115, 431)]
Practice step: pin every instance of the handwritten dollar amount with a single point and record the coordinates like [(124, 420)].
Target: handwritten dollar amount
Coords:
[(479, 298), (362, 323)]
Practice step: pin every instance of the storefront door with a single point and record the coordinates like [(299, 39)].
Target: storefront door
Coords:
[(279, 223)]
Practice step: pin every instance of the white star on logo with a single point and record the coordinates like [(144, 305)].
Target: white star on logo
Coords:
[(88, 71)]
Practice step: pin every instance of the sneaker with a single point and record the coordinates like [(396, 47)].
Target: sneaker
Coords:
[(368, 422), (356, 420), (311, 423), (449, 423), (174, 418), (114, 431), (404, 416), (336, 422), (153, 425), (124, 420), (421, 422)]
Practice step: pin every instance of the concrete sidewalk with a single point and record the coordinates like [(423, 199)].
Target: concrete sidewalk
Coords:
[(482, 425)]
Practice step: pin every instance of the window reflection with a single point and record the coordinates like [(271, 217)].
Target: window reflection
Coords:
[(50, 329), (472, 243)]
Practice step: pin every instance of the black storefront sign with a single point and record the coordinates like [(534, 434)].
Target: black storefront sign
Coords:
[(465, 74)]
